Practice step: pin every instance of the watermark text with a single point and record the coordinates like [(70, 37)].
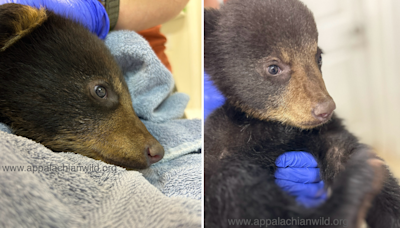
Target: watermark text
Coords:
[(288, 222), (57, 168)]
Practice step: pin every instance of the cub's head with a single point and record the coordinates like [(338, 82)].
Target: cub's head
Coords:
[(61, 87), (264, 57)]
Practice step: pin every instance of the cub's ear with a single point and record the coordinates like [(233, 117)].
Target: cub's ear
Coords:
[(211, 17), (16, 21)]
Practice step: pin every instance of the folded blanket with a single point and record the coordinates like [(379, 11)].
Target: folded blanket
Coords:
[(70, 190), (47, 189)]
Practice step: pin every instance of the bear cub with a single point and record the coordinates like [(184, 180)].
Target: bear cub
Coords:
[(263, 56), (61, 87)]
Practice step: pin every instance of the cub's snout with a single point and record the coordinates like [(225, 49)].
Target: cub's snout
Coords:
[(324, 110)]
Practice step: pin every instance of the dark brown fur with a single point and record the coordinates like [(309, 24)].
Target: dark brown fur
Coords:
[(267, 115), (49, 67)]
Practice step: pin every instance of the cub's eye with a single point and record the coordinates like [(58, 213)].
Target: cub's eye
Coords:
[(320, 60), (274, 70), (100, 91), (102, 94)]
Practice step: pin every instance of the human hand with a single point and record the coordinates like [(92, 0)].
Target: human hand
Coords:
[(90, 13), (212, 97), (298, 175)]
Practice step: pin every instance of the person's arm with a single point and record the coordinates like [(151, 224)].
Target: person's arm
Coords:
[(211, 3), (138, 15)]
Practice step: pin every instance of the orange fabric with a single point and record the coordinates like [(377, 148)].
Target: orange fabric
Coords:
[(157, 42)]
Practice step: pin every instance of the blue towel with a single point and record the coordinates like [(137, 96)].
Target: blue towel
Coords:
[(150, 85)]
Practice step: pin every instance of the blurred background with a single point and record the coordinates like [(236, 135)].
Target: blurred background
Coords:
[(183, 48), (360, 40)]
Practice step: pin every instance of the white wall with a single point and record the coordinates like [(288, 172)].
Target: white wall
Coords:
[(360, 39), (183, 49)]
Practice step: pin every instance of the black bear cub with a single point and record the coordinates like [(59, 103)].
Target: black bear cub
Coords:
[(61, 87), (263, 55)]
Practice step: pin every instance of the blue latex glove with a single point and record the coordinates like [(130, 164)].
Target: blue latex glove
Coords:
[(298, 175), (212, 97), (90, 13)]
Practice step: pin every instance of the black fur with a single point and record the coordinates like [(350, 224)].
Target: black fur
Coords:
[(240, 149)]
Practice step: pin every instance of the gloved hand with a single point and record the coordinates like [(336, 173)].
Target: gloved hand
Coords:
[(90, 13), (212, 97), (298, 175)]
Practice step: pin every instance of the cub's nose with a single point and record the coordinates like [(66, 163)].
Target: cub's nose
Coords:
[(324, 110), (154, 152)]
